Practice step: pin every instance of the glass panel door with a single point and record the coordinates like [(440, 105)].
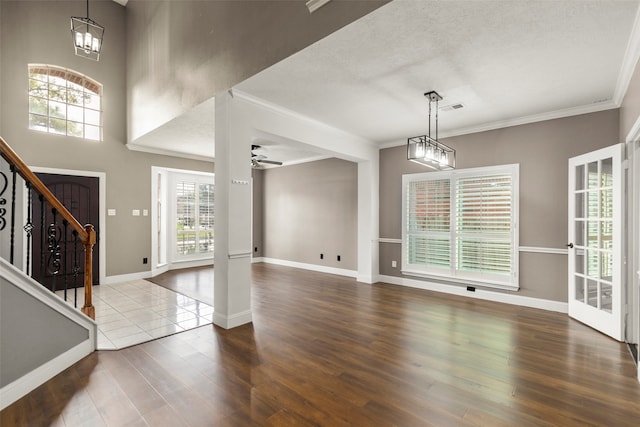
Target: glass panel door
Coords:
[(595, 195)]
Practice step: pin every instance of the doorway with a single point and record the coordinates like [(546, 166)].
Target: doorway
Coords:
[(595, 240), (100, 247), (81, 196)]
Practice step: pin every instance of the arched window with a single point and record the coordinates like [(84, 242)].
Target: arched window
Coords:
[(64, 102)]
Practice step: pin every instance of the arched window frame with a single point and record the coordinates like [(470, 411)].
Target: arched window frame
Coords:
[(64, 102)]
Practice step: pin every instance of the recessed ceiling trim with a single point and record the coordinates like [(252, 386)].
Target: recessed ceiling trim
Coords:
[(551, 115), (164, 152), (290, 113), (631, 55), (307, 160)]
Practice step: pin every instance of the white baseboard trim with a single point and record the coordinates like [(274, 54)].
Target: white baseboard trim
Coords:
[(257, 259), (159, 270), (29, 382), (544, 304), (120, 278), (312, 267), (233, 320), (368, 279)]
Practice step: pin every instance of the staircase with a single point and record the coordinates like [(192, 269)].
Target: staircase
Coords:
[(41, 334)]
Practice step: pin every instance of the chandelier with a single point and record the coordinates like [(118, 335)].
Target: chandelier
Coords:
[(429, 151), (87, 36)]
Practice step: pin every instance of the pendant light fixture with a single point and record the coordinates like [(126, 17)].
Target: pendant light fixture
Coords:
[(429, 151), (87, 36)]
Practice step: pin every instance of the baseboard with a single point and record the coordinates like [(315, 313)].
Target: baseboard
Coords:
[(29, 382), (368, 279), (232, 321), (120, 278), (312, 267), (544, 304), (257, 259), (159, 270)]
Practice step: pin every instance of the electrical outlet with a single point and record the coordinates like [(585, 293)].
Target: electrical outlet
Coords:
[(321, 256), (338, 257), (145, 260), (394, 264), (471, 288), (255, 249)]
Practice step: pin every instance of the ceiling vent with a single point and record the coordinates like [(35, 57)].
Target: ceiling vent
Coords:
[(451, 107)]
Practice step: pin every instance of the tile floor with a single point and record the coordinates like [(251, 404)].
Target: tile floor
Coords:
[(133, 312)]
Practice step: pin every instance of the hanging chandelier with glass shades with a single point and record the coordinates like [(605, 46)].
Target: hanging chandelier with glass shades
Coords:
[(87, 36), (429, 151)]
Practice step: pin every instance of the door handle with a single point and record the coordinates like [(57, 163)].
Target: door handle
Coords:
[(570, 245)]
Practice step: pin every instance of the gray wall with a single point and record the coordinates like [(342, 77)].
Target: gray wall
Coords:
[(542, 149), (181, 53), (309, 209), (43, 333), (630, 108), (258, 206), (38, 32)]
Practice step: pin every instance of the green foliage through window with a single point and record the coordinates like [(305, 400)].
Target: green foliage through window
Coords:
[(64, 102)]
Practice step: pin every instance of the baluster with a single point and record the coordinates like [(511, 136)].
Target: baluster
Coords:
[(43, 252), (64, 261), (4, 183), (28, 227), (13, 213), (76, 268), (53, 246)]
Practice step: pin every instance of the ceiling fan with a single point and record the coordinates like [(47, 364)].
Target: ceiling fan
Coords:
[(257, 160)]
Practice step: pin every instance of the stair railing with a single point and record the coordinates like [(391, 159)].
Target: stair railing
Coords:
[(51, 232)]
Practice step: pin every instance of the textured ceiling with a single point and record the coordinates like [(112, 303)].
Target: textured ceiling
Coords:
[(507, 62)]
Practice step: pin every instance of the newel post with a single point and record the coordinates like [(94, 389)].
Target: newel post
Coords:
[(88, 307)]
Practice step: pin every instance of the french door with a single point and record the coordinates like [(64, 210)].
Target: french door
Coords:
[(595, 240)]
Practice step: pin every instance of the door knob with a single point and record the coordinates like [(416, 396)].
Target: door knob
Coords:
[(570, 245)]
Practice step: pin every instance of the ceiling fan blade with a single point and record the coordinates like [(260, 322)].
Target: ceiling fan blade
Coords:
[(258, 157), (271, 162)]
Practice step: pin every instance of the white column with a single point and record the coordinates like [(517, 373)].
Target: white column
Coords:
[(368, 213), (232, 271)]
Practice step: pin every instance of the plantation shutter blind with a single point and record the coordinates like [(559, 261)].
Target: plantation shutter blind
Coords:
[(483, 224), (462, 226), (429, 223)]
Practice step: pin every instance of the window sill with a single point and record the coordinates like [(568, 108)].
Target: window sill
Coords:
[(462, 280)]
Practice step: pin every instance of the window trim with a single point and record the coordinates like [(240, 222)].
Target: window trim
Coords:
[(72, 76), (174, 178), (452, 274)]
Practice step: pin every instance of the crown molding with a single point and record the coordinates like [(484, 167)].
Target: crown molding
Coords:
[(629, 62), (534, 118)]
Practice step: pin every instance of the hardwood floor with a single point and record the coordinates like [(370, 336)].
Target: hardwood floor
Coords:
[(324, 350), (196, 282)]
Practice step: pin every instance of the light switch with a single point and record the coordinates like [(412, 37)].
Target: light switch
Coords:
[(136, 212), (111, 212), (145, 212)]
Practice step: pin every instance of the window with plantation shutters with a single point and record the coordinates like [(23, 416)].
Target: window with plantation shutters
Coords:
[(462, 225), (429, 223)]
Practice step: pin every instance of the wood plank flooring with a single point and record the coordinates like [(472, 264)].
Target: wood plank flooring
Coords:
[(326, 351), (196, 282)]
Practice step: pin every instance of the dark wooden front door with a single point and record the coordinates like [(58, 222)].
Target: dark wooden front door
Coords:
[(80, 195)]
